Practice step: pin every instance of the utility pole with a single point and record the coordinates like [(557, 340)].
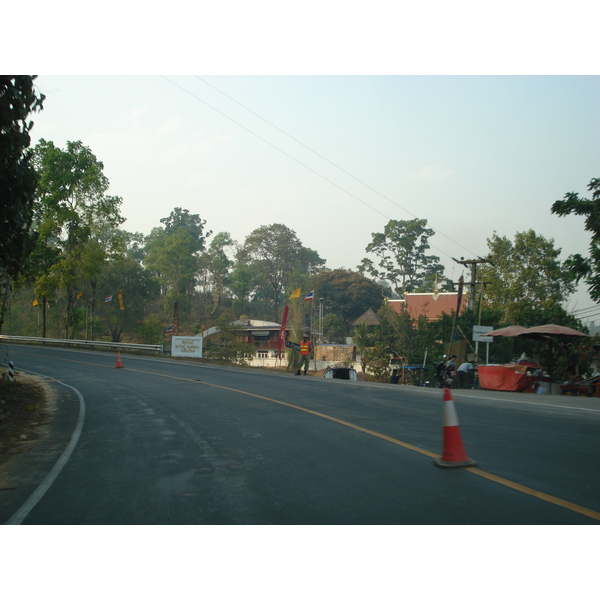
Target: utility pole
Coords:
[(473, 264)]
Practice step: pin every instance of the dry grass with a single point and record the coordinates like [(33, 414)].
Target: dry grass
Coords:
[(23, 409)]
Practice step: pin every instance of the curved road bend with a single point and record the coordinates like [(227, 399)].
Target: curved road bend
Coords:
[(167, 442)]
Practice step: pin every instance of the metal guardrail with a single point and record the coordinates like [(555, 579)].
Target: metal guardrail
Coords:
[(123, 345)]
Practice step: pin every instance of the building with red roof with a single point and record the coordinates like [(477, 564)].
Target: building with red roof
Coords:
[(431, 306)]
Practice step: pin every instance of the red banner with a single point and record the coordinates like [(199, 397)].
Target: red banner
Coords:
[(282, 331)]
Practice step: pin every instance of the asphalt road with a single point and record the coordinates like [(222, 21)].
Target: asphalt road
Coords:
[(168, 442)]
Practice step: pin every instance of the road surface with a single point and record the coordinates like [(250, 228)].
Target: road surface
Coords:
[(169, 442)]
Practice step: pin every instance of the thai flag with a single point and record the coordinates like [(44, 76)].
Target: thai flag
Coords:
[(309, 296), (108, 299), (170, 329)]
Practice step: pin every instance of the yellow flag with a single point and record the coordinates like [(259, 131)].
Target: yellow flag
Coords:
[(80, 294), (35, 303), (295, 294), (121, 305)]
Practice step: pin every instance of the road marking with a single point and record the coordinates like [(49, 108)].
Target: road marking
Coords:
[(39, 492), (541, 495), (500, 480), (596, 410)]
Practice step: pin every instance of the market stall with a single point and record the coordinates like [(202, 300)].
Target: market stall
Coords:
[(522, 376), (518, 377)]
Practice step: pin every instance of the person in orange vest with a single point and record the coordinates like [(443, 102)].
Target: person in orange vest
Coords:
[(304, 354)]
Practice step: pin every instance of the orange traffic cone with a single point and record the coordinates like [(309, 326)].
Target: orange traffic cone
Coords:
[(453, 454), (119, 363)]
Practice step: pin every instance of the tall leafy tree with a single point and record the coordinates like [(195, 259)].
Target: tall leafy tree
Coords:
[(347, 293), (525, 274), (274, 253), (586, 268), (402, 256), (216, 264), (192, 223), (18, 98), (173, 258), (172, 254), (124, 275), (72, 211)]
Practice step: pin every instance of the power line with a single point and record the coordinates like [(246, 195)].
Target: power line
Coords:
[(328, 160), (587, 316), (585, 312), (300, 162)]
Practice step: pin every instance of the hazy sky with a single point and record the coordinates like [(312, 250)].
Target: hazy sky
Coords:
[(379, 131), (471, 154)]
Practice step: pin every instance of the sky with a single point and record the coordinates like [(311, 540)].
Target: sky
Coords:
[(334, 158), (249, 116)]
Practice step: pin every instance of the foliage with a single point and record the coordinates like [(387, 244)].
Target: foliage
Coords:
[(334, 330), (401, 250), (347, 293), (18, 179), (150, 330), (192, 223), (377, 358), (240, 283), (18, 98), (588, 268), (525, 274), (362, 339), (76, 225), (173, 260), (273, 253)]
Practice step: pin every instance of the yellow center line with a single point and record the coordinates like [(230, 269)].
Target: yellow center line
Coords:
[(505, 482)]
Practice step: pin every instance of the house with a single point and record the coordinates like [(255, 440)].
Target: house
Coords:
[(431, 306), (263, 335)]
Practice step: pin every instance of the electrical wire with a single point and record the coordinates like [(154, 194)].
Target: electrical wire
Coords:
[(300, 162), (329, 161)]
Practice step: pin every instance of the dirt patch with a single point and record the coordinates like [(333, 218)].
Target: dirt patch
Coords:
[(25, 407)]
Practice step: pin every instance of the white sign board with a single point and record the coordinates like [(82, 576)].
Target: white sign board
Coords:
[(186, 346), (479, 330)]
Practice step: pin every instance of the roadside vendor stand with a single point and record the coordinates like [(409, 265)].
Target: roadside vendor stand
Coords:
[(522, 376), (518, 377)]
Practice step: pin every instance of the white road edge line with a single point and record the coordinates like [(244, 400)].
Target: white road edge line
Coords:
[(21, 514)]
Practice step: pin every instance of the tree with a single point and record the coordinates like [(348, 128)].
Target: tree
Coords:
[(334, 329), (173, 258), (347, 293), (362, 339), (401, 250), (76, 221), (18, 99), (588, 268), (172, 253), (192, 223), (274, 253), (125, 276), (525, 274), (216, 264)]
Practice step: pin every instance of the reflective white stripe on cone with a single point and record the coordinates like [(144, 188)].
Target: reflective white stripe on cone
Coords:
[(453, 453)]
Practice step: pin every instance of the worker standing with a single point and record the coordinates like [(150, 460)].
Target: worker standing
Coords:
[(304, 354)]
